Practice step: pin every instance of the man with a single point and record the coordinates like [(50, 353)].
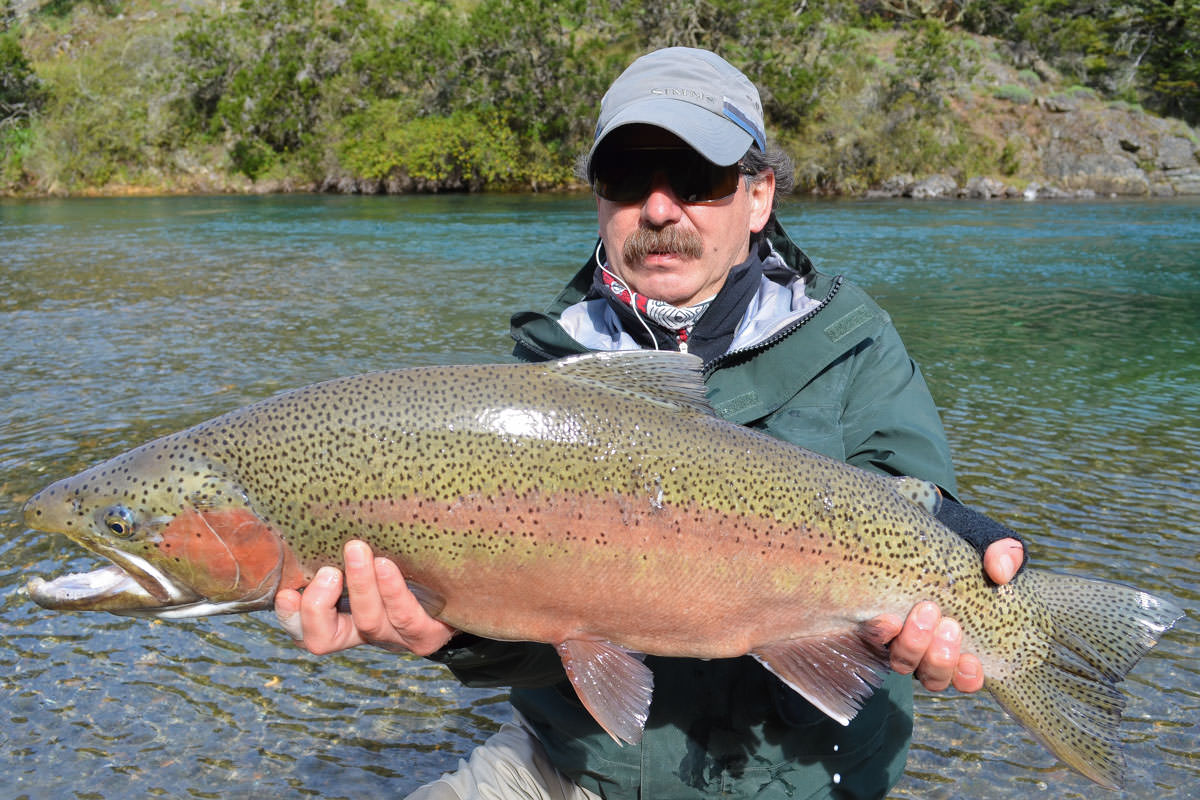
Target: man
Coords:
[(692, 257)]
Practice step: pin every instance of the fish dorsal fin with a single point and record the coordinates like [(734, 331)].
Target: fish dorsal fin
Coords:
[(663, 377), (922, 494), (836, 672), (614, 686)]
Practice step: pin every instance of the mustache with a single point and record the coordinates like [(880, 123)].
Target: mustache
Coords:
[(670, 239)]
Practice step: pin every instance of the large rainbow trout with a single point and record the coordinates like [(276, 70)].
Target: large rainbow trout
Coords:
[(595, 503)]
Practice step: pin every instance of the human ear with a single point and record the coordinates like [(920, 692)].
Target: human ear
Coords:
[(761, 191)]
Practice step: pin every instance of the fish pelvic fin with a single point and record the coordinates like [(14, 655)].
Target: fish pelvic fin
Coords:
[(613, 685), (836, 672), (1096, 632)]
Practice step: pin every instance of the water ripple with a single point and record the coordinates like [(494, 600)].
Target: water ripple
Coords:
[(1062, 342)]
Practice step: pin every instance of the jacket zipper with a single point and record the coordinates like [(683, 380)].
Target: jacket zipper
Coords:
[(771, 340), (711, 366)]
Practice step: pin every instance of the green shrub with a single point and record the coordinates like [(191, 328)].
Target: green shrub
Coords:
[(15, 144), (21, 93), (1010, 157), (101, 122), (252, 157), (270, 73), (1013, 94), (931, 60), (465, 150)]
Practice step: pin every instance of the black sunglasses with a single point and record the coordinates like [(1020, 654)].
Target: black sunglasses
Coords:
[(626, 176)]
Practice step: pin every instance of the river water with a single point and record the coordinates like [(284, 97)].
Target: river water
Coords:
[(1061, 340)]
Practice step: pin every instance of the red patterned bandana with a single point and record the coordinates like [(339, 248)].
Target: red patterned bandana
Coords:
[(673, 318)]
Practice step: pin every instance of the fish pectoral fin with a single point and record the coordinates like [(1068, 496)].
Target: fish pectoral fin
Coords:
[(613, 684), (431, 601), (836, 672)]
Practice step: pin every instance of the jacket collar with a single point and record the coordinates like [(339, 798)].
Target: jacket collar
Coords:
[(538, 335)]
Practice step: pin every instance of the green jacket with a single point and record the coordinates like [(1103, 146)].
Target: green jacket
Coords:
[(838, 381)]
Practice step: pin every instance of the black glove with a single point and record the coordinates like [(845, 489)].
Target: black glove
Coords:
[(976, 529)]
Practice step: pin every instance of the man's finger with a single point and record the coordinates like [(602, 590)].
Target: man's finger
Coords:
[(403, 610), (287, 611), (366, 606), (318, 611), (969, 675), (941, 659), (909, 647), (1002, 560)]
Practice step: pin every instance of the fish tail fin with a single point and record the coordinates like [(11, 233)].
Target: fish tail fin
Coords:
[(1095, 632)]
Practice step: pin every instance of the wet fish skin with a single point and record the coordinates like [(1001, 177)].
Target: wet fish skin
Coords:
[(597, 504)]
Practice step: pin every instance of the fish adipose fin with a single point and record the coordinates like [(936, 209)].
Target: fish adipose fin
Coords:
[(666, 378), (1095, 632), (836, 672), (612, 684), (922, 494)]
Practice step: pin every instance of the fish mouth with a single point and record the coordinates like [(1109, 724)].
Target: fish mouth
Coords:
[(128, 586)]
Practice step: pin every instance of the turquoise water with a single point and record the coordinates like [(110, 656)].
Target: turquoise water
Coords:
[(1061, 340)]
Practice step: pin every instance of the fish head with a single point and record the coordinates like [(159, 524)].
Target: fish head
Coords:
[(180, 533)]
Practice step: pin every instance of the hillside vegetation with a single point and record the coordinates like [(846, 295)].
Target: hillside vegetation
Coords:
[(1011, 96)]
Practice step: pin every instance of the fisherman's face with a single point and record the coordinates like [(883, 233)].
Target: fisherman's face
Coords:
[(663, 246)]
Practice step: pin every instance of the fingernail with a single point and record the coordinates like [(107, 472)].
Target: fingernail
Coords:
[(948, 630), (927, 617), (969, 672), (355, 557), (327, 576), (1007, 565)]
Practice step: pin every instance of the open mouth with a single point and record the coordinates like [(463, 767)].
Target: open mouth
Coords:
[(91, 590), (127, 586)]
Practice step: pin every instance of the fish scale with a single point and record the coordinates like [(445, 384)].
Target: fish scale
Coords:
[(595, 503)]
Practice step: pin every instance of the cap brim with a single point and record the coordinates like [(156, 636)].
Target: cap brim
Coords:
[(719, 140)]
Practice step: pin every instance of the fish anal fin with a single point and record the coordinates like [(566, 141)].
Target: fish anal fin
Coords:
[(836, 671), (613, 685)]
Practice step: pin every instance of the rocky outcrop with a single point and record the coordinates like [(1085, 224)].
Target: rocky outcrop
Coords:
[(1070, 144), (1115, 151)]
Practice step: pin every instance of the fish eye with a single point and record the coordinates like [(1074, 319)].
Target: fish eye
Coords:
[(118, 521)]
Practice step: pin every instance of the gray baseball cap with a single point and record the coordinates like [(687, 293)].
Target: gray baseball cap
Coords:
[(695, 94)]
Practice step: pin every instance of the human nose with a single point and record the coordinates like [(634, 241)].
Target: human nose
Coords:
[(661, 206)]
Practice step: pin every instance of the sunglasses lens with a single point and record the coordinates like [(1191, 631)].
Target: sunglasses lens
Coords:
[(701, 181), (621, 182), (626, 177)]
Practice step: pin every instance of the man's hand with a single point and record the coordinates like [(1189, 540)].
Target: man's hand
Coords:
[(383, 611), (929, 644)]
